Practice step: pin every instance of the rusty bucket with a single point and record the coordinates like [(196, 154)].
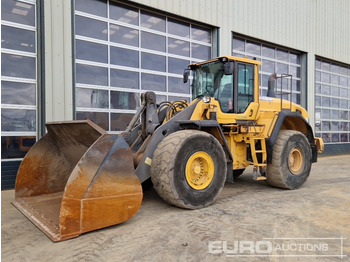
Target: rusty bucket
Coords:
[(77, 178)]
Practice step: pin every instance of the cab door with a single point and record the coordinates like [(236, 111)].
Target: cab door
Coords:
[(237, 95), (245, 105)]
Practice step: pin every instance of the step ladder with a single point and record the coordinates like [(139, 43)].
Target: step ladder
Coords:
[(258, 174)]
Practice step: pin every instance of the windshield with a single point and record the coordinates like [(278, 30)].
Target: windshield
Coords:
[(207, 78)]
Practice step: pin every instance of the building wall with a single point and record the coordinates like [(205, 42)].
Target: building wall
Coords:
[(317, 27), (314, 27), (318, 30), (58, 93)]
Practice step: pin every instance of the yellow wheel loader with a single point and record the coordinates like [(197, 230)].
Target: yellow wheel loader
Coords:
[(79, 178)]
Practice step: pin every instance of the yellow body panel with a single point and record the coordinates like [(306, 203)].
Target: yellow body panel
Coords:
[(257, 122), (253, 126)]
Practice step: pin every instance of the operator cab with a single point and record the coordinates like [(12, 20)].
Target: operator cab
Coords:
[(229, 81)]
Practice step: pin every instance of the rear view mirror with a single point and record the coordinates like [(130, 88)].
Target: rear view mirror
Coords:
[(186, 74), (228, 70)]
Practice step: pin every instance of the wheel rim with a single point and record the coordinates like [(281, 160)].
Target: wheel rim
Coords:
[(296, 161), (199, 170)]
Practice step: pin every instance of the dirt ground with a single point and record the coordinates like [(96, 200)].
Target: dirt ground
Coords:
[(250, 221)]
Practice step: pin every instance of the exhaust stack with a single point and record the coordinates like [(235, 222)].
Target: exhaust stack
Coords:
[(272, 84)]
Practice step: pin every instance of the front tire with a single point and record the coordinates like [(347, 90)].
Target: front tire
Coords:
[(291, 161), (189, 169)]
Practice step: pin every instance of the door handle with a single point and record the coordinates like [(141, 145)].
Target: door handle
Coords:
[(251, 112)]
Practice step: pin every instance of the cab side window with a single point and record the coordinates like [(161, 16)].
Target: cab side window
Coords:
[(245, 86), (225, 94)]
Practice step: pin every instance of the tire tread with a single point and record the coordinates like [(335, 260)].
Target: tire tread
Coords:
[(274, 176), (162, 168)]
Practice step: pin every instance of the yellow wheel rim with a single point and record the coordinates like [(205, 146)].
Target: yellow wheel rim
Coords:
[(199, 170), (295, 161)]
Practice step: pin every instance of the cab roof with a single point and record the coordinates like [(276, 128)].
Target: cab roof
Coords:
[(230, 58)]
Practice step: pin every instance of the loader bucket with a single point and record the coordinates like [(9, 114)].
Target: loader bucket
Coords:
[(77, 178)]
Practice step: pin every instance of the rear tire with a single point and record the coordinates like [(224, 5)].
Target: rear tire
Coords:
[(189, 169), (291, 160)]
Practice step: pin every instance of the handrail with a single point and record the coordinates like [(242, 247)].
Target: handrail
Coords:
[(290, 92)]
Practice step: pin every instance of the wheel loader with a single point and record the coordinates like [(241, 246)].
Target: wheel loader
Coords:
[(78, 178)]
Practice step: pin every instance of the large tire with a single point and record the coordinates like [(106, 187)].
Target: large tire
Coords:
[(189, 169), (291, 160)]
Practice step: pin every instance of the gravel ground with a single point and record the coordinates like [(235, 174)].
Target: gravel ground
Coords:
[(264, 223)]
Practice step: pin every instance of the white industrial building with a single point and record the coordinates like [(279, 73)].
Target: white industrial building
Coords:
[(91, 59)]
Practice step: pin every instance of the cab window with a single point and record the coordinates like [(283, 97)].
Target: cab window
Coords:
[(245, 90), (224, 94)]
